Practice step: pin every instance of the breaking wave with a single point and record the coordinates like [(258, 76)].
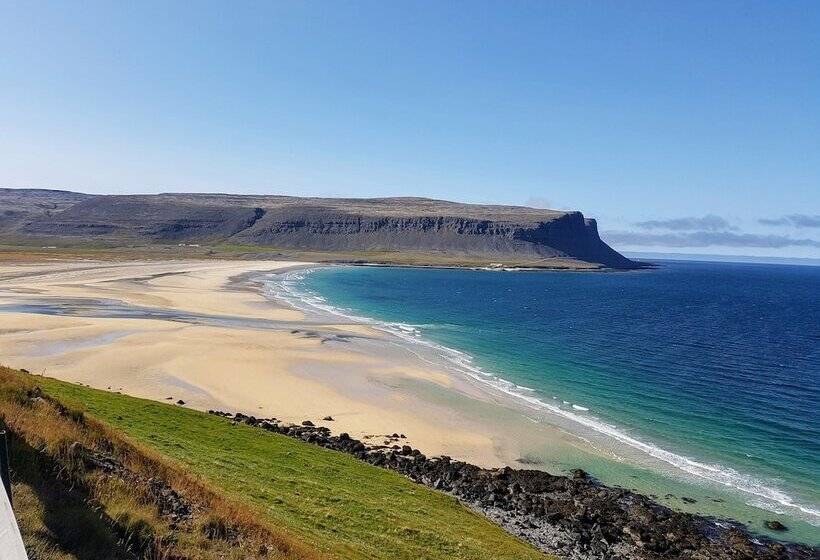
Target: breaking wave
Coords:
[(289, 287)]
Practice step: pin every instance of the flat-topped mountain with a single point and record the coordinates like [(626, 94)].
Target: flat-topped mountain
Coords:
[(347, 226)]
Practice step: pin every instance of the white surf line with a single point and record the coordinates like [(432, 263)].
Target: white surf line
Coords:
[(463, 363)]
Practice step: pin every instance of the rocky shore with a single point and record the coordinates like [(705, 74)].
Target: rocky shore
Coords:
[(573, 517)]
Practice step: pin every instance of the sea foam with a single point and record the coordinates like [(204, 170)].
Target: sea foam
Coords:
[(762, 494)]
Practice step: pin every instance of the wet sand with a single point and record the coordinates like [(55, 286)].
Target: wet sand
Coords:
[(204, 332)]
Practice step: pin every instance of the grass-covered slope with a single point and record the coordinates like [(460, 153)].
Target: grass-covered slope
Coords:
[(326, 502)]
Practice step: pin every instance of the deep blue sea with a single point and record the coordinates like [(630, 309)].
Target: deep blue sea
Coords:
[(711, 368)]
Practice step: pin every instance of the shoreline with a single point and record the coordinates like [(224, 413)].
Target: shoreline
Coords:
[(643, 265), (602, 439), (574, 516), (291, 366), (282, 362)]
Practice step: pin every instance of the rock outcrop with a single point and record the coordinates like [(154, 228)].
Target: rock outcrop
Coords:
[(345, 226), (575, 517)]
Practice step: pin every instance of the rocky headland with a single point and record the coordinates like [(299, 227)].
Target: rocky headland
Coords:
[(355, 230)]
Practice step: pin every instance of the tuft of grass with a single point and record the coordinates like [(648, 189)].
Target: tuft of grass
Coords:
[(70, 508), (320, 498)]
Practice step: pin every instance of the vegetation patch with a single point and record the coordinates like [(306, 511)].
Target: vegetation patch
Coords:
[(82, 490), (168, 482)]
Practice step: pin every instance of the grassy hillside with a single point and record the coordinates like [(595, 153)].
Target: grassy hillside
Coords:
[(325, 501)]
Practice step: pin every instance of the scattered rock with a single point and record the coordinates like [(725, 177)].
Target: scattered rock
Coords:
[(180, 401), (575, 517), (170, 503), (776, 526), (328, 418)]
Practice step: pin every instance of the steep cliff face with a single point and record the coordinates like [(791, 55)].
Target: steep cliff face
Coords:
[(499, 233), (572, 234), (564, 235)]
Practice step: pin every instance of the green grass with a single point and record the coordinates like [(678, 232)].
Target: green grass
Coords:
[(330, 500), (122, 250)]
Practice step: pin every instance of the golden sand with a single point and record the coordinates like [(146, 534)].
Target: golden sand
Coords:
[(295, 372)]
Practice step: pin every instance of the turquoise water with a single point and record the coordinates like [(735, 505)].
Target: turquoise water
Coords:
[(710, 369)]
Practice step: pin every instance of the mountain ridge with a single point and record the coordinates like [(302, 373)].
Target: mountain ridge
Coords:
[(493, 233)]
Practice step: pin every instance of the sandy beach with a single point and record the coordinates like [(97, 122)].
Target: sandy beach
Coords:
[(204, 332), (212, 334)]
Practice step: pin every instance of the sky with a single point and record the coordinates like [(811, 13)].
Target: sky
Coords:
[(689, 127)]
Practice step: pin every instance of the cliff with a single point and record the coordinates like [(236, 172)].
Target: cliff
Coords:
[(345, 226)]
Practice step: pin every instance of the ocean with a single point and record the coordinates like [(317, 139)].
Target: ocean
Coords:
[(701, 378)]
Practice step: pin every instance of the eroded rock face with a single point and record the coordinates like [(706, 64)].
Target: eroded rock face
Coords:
[(574, 517), (312, 224)]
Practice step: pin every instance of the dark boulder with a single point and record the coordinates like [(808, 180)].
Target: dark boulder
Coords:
[(776, 526)]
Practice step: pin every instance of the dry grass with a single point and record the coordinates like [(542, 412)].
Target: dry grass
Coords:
[(248, 486), (68, 510)]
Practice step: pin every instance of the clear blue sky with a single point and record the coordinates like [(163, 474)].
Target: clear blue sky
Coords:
[(646, 115)]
